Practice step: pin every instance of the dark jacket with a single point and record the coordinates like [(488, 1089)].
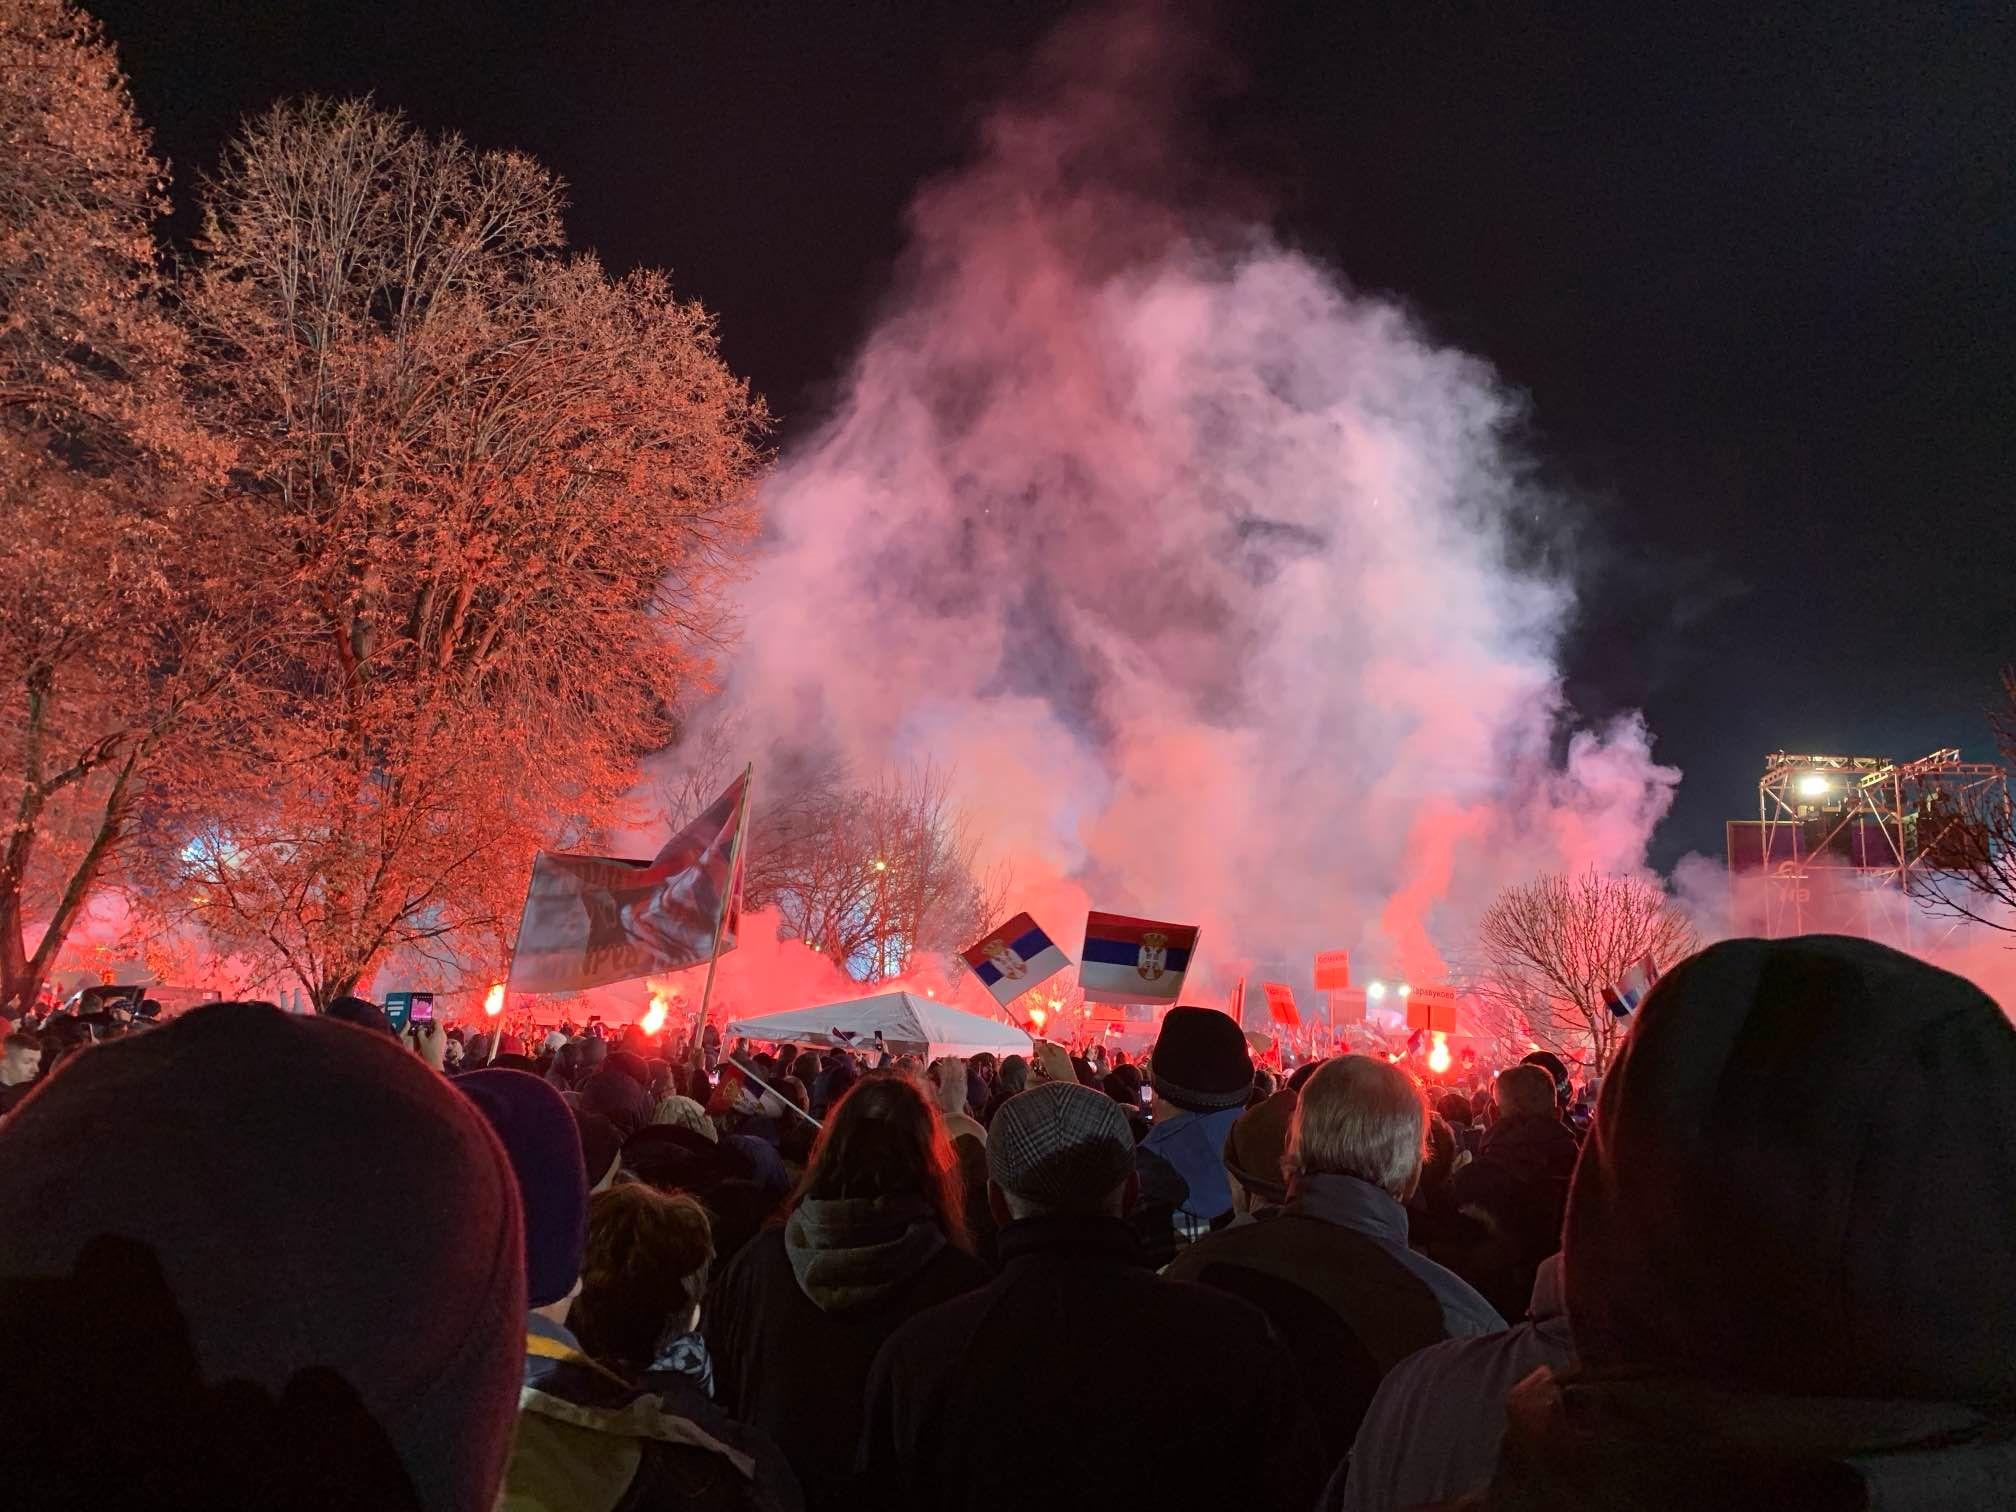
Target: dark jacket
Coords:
[(1433, 1430), (1078, 1376), (1332, 1270), (794, 1321), (589, 1441), (1520, 1178)]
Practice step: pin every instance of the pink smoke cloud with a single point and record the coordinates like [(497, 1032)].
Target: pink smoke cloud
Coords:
[(1195, 565)]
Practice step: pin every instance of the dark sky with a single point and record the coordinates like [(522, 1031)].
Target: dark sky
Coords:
[(1755, 268)]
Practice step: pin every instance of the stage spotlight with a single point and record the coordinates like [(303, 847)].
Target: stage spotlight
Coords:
[(1814, 784), (1375, 990)]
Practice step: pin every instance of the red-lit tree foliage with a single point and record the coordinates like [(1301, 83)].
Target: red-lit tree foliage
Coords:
[(496, 494), (115, 601)]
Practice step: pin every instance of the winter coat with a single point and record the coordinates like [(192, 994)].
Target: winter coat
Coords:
[(589, 1441), (1332, 1270), (1158, 1394), (794, 1321), (1520, 1178), (1434, 1428)]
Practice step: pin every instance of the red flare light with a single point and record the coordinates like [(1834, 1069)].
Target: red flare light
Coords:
[(493, 1000)]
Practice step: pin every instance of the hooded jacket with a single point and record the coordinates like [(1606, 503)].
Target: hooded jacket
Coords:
[(1789, 1248), (795, 1319)]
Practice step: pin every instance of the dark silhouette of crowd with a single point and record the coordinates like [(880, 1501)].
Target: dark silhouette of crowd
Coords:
[(254, 1259)]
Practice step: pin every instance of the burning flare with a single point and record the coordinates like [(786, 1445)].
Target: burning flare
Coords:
[(493, 1000), (654, 1016), (1438, 1057)]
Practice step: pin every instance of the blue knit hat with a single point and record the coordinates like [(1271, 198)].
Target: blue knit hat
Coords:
[(538, 1133)]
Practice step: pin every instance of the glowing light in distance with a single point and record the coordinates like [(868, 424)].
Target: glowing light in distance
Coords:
[(1037, 1015), (1405, 990), (1438, 1058), (879, 864), (1814, 784), (1375, 990), (654, 1016), (493, 1000)]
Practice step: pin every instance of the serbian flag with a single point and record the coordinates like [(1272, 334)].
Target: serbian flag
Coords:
[(1624, 998), (1134, 960), (590, 920), (1281, 1007), (1014, 958)]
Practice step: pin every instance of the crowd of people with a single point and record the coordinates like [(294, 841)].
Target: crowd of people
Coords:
[(250, 1258)]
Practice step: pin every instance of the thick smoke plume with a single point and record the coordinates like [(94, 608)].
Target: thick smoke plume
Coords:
[(1195, 565)]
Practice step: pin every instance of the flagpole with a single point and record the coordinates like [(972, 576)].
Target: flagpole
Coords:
[(732, 896)]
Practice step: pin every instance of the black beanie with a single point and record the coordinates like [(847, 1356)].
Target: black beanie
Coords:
[(1200, 1061), (319, 1204), (1802, 1176), (358, 1011)]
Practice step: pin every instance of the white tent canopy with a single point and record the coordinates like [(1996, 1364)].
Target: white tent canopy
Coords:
[(910, 1025)]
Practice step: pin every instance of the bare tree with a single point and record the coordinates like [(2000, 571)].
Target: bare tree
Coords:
[(498, 493), (1966, 858), (1549, 948)]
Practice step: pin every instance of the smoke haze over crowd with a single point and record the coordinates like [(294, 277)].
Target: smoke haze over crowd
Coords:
[(1210, 577)]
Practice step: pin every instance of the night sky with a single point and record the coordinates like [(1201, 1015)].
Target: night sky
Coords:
[(1756, 274)]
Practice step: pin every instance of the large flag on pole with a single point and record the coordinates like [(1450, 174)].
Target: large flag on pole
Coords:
[(591, 920), (1015, 958), (1134, 960)]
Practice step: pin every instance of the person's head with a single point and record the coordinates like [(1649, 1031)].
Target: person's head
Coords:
[(618, 1096), (1358, 1116), (794, 1092), (1256, 1153), (20, 1059), (1123, 1085), (361, 1012), (948, 1084), (367, 1270), (684, 1113), (1299, 1078), (1811, 1108), (806, 1067), (1438, 1165), (644, 1273), (1455, 1109), (1264, 1086), (601, 1142), (1014, 1075), (1557, 1076), (1060, 1149), (1201, 1062), (543, 1143), (884, 1139), (1524, 1091)]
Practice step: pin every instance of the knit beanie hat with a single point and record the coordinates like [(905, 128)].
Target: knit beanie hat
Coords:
[(1200, 1061), (1801, 1177), (601, 1140), (684, 1113), (324, 1211), (1061, 1145), (618, 1097), (356, 1010), (544, 1148), (1257, 1148)]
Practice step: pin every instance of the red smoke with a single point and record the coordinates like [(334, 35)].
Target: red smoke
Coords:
[(1195, 564)]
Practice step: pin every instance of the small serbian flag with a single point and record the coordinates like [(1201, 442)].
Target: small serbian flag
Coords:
[(1134, 960), (1014, 958), (1623, 999)]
